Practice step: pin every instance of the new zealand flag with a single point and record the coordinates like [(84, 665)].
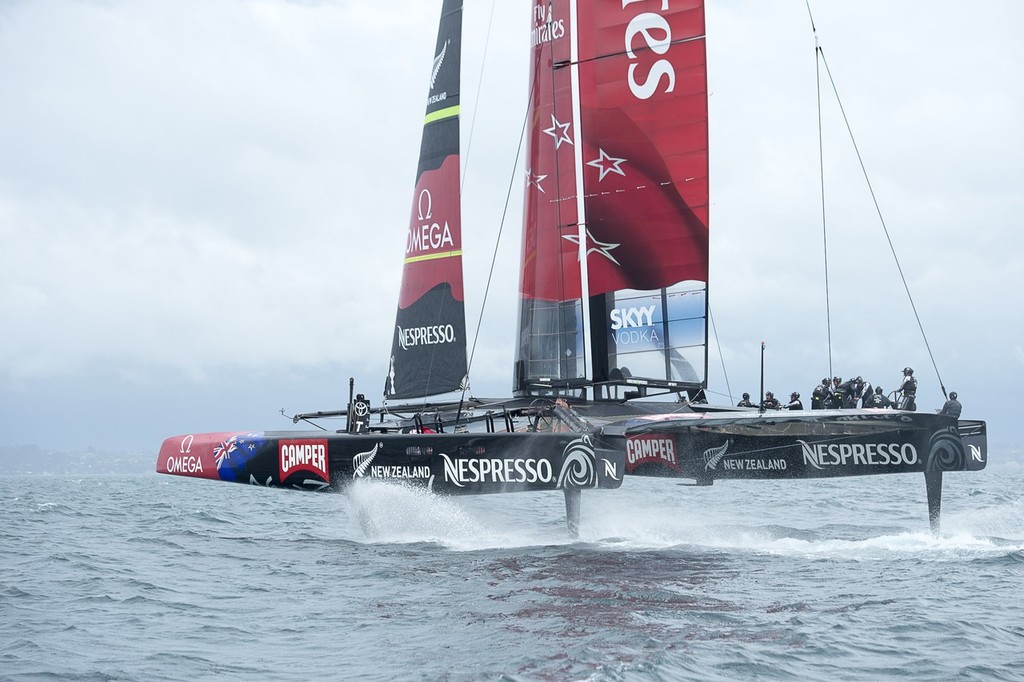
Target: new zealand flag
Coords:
[(235, 455)]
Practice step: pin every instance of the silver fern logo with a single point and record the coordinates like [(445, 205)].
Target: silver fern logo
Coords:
[(578, 465), (438, 61), (712, 456), (362, 461)]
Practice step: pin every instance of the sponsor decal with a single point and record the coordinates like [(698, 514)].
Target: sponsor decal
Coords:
[(308, 455), (649, 33), (976, 453), (185, 464), (578, 469), (736, 461), (653, 447), (434, 71), (633, 325), (546, 27), (362, 461), (822, 455), (428, 235), (431, 335), (399, 472), (463, 471)]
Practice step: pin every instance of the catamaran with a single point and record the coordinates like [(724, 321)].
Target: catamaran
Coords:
[(612, 360)]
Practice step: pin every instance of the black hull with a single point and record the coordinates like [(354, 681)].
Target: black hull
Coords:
[(785, 445), (455, 464)]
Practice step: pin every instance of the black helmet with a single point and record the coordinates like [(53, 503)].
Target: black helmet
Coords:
[(952, 395), (746, 396), (794, 395), (859, 379), (837, 380), (769, 394), (878, 390), (825, 380), (908, 370)]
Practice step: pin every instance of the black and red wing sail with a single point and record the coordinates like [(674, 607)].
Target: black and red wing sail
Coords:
[(428, 353), (643, 163)]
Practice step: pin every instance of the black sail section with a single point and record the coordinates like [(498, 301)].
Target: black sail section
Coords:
[(428, 352)]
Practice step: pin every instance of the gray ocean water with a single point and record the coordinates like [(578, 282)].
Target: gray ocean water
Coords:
[(157, 578)]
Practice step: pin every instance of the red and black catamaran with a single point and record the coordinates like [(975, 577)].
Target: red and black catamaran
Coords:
[(611, 359)]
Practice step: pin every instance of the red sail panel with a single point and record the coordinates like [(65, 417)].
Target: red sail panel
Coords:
[(433, 248), (551, 314), (550, 269), (643, 100)]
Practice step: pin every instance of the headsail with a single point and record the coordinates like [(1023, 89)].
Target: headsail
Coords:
[(631, 184), (428, 353)]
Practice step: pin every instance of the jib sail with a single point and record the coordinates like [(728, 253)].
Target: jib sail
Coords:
[(428, 353), (615, 241)]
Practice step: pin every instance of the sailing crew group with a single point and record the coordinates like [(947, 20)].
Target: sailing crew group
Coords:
[(838, 394)]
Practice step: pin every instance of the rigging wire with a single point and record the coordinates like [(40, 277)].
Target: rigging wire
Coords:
[(821, 175), (721, 357), (878, 210), (476, 101), (494, 255)]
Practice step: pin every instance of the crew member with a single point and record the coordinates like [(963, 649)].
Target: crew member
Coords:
[(770, 402), (745, 402), (835, 396), (907, 391), (794, 402), (820, 395), (952, 406), (878, 399)]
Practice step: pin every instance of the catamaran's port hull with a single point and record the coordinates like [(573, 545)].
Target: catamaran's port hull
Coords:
[(815, 444), (458, 464)]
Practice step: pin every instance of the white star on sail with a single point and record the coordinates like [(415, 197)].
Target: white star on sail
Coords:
[(534, 180), (563, 131), (602, 248), (607, 164)]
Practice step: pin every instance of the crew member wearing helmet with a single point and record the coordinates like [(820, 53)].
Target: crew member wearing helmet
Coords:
[(907, 391), (794, 402), (770, 402), (745, 402), (952, 406), (878, 399), (835, 394), (819, 397)]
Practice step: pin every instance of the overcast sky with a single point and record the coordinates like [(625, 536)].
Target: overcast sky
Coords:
[(203, 205)]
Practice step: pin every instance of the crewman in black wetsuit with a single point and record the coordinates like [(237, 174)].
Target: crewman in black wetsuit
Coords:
[(878, 399), (794, 402), (866, 394), (819, 396), (745, 402), (907, 391), (770, 402), (835, 395), (952, 407)]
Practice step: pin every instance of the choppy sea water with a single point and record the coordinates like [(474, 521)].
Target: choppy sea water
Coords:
[(152, 578)]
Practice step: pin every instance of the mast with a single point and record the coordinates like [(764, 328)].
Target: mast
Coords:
[(428, 353)]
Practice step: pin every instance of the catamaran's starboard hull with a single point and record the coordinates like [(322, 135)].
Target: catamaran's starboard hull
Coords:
[(458, 464), (818, 444)]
